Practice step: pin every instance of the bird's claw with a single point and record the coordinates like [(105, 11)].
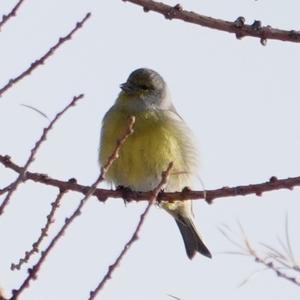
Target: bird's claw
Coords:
[(125, 191)]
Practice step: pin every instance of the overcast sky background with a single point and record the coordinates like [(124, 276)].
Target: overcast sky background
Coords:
[(240, 99)]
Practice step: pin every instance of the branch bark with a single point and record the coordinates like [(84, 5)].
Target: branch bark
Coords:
[(33, 272), (33, 152), (44, 233), (164, 179), (258, 189), (11, 14), (238, 27), (43, 59)]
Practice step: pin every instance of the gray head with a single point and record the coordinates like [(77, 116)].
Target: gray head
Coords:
[(148, 88)]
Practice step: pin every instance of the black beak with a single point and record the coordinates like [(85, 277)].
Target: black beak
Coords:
[(126, 87)]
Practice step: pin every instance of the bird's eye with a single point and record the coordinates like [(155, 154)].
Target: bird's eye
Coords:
[(144, 87)]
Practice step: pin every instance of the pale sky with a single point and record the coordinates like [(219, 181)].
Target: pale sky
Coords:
[(239, 98)]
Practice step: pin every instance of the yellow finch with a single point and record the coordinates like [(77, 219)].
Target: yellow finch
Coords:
[(160, 137)]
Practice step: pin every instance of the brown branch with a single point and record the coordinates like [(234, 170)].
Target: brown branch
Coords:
[(239, 28), (164, 178), (11, 14), (34, 150), (42, 59), (32, 272), (7, 188), (258, 189), (44, 233)]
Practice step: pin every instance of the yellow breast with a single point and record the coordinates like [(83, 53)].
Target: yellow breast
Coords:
[(146, 153)]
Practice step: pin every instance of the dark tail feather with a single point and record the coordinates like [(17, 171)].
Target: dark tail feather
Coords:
[(191, 238)]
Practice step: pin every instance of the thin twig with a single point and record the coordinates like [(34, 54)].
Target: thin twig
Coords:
[(271, 266), (286, 258), (36, 110), (32, 273), (258, 189), (7, 188), (164, 178), (11, 14), (34, 150), (288, 241), (273, 260), (238, 27), (44, 233), (42, 59), (174, 297)]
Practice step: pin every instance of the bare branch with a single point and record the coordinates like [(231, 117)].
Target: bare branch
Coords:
[(273, 260), (11, 14), (43, 137), (32, 272), (258, 189), (271, 266), (42, 59), (164, 178), (7, 188), (238, 27), (44, 233)]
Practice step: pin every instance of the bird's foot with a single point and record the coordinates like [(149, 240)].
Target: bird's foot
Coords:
[(125, 191)]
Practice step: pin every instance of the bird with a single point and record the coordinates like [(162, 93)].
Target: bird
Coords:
[(160, 136)]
